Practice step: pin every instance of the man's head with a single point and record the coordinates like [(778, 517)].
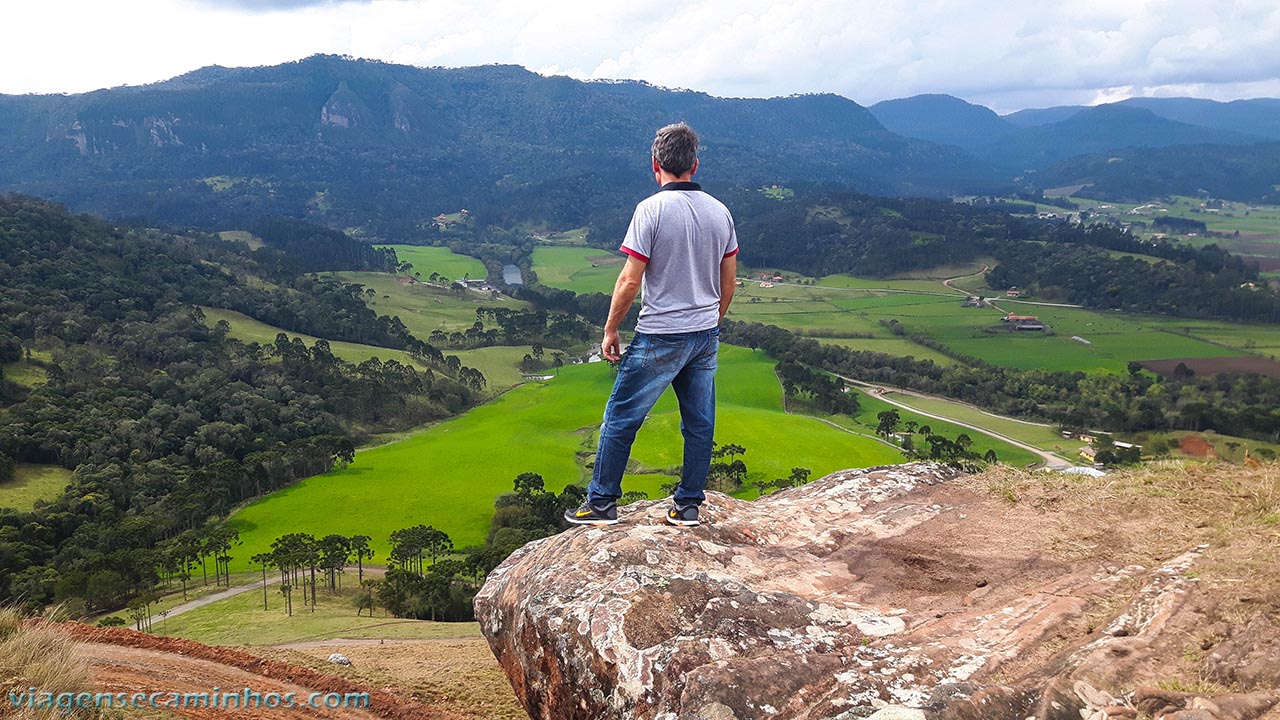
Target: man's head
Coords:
[(675, 150)]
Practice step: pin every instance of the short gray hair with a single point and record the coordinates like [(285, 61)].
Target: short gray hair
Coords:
[(675, 147)]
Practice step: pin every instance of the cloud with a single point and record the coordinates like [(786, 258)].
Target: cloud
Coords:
[(1006, 54), (273, 5)]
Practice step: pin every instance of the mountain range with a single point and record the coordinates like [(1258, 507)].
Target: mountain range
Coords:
[(383, 148), (1037, 139)]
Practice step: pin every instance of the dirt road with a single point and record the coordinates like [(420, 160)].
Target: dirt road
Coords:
[(129, 662), (1050, 459)]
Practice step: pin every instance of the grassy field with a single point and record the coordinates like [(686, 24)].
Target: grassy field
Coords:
[(240, 620), (246, 329), (1113, 339), (427, 260), (580, 269), (866, 422), (1258, 225), (449, 475), (500, 364), (253, 241), (423, 308), (899, 346), (1045, 438), (31, 483), (576, 236), (24, 373)]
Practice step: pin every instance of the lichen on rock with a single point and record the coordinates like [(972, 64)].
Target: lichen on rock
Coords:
[(889, 590)]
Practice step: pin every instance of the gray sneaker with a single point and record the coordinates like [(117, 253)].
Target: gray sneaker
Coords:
[(683, 515), (589, 514)]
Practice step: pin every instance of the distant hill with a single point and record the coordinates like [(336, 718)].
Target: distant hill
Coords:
[(1249, 173), (1099, 129), (385, 147), (1041, 116), (942, 119), (1036, 139), (1259, 116)]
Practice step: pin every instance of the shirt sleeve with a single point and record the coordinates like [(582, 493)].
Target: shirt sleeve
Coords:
[(731, 247), (639, 240)]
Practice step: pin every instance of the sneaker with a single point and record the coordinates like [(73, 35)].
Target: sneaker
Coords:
[(589, 514), (683, 515)]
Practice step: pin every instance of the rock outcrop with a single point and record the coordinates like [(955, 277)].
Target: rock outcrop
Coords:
[(888, 593)]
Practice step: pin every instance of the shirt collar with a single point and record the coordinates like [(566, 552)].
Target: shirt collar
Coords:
[(680, 186)]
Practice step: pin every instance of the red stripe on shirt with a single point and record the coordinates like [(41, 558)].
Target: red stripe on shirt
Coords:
[(731, 253), (634, 254)]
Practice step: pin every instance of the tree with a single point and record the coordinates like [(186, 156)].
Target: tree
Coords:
[(334, 553), (888, 423), (6, 468), (361, 551), (366, 597), (263, 559)]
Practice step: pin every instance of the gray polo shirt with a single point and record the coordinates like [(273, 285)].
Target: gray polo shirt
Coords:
[(682, 234)]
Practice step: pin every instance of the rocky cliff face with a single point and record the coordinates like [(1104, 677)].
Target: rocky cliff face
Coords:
[(889, 592)]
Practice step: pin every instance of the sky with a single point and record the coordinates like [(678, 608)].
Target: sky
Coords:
[(1006, 54)]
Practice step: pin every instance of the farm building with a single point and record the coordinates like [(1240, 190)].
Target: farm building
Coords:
[(1013, 292), (1020, 319), (1031, 327)]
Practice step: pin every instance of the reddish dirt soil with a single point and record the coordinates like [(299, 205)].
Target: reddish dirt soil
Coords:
[(127, 661), (1195, 446), (1217, 365)]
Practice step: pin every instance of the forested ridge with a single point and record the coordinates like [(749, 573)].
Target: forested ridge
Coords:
[(168, 422)]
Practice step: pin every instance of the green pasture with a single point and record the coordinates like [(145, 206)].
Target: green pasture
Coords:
[(423, 308), (23, 373), (253, 241), (1258, 225), (866, 421), (499, 364), (580, 269), (951, 270), (31, 483), (449, 475), (921, 284), (1041, 436), (576, 236), (241, 620), (427, 260), (891, 345), (1249, 338), (1114, 339), (249, 330)]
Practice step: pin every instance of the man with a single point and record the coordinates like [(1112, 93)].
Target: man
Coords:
[(680, 251)]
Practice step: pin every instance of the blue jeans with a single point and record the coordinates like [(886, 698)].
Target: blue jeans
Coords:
[(686, 362)]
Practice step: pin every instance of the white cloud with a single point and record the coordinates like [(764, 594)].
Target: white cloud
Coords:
[(1008, 55)]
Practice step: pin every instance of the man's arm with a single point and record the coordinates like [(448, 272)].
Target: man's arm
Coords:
[(728, 282), (624, 293)]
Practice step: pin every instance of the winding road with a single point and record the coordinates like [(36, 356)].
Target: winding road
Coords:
[(1051, 460)]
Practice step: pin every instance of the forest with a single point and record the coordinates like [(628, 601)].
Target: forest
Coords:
[(167, 422)]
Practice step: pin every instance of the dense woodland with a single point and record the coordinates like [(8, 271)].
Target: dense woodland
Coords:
[(166, 421)]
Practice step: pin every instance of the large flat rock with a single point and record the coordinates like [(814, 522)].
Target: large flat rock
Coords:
[(889, 590)]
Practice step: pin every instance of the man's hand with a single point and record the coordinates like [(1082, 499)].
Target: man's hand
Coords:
[(624, 293), (611, 346)]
